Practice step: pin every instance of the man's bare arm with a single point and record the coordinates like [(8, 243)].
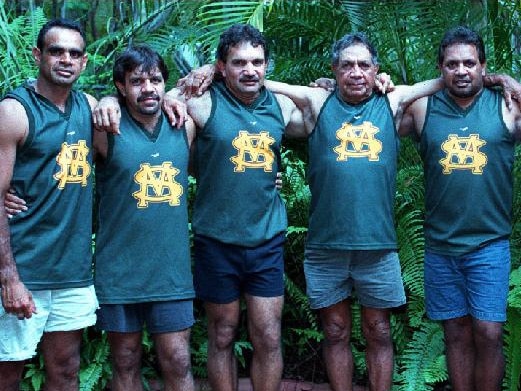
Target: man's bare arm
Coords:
[(14, 125), (413, 118), (404, 95), (293, 118)]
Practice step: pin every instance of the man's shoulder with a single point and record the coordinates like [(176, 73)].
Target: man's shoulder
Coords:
[(13, 117)]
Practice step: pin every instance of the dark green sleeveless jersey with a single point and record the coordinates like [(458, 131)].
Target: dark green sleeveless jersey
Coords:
[(51, 241), (468, 156), (352, 173), (142, 246), (236, 162)]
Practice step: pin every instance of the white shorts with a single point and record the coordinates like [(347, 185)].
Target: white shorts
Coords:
[(57, 310)]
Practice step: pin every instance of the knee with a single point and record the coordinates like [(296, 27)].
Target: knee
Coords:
[(267, 339), (335, 332), (377, 332), (65, 368), (458, 331), (176, 362), (222, 336), (489, 335), (126, 360)]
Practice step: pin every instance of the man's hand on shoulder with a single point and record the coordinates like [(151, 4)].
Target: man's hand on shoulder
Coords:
[(106, 115), (197, 82), (511, 87), (324, 82), (383, 83)]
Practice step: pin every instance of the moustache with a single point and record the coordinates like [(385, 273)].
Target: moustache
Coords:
[(141, 98), (248, 78)]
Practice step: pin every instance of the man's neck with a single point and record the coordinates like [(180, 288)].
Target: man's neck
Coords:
[(54, 93), (464, 102), (148, 122)]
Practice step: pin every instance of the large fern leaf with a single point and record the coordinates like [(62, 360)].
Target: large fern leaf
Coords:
[(422, 363)]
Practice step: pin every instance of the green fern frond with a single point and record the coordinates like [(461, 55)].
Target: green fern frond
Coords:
[(421, 363), (410, 237), (17, 37), (514, 296), (296, 295), (512, 350), (415, 310), (90, 376)]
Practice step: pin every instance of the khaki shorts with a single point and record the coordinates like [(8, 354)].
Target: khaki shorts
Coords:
[(57, 310)]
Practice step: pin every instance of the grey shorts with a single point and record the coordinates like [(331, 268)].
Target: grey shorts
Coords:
[(375, 276)]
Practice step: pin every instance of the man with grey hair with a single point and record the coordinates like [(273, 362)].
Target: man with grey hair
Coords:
[(353, 150)]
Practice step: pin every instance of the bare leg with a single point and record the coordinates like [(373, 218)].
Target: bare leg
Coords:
[(10, 375), (459, 345), (173, 352), (126, 352), (490, 361), (61, 354), (264, 316), (336, 321), (223, 320), (379, 354)]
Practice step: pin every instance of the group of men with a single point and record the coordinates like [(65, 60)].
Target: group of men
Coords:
[(142, 261)]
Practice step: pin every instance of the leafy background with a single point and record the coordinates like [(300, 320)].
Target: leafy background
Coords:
[(300, 33)]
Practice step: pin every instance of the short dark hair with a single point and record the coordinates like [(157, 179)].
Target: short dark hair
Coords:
[(61, 23), (347, 40), (464, 35), (237, 34), (137, 56)]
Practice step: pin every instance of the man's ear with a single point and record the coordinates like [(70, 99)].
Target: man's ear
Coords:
[(221, 67), (484, 69), (84, 60), (37, 55), (121, 88)]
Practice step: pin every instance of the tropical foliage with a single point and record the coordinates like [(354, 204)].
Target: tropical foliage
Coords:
[(301, 33)]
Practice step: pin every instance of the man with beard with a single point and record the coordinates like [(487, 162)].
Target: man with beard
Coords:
[(467, 138), (142, 258), (45, 251)]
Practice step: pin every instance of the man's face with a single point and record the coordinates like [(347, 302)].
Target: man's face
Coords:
[(244, 70), (355, 73), (461, 70), (143, 91), (62, 58)]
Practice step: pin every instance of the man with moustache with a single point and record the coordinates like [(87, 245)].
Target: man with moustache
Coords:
[(142, 258)]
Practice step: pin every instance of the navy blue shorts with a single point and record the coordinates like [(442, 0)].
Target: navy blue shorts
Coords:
[(159, 316), (224, 271)]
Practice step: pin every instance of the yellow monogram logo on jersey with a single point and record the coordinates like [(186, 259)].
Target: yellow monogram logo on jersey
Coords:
[(157, 184), (253, 151), (74, 166), (358, 141), (462, 153)]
